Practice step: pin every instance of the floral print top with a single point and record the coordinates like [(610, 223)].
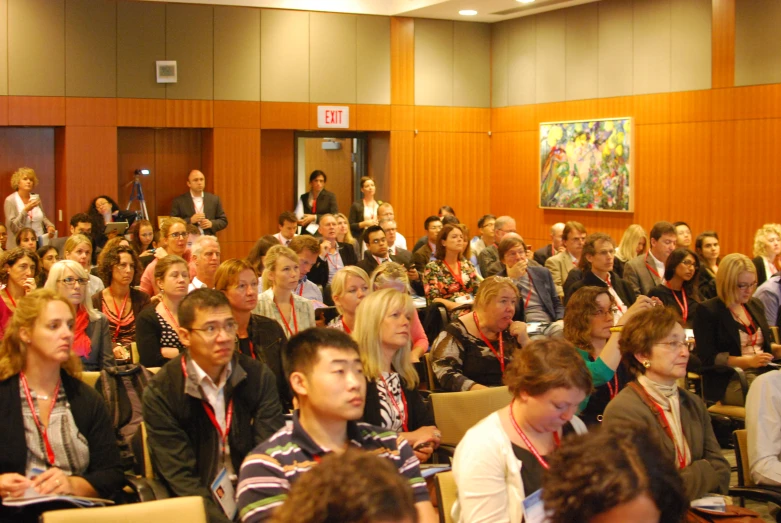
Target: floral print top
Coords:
[(439, 282)]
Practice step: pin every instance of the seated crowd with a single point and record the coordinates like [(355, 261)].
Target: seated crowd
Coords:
[(333, 323)]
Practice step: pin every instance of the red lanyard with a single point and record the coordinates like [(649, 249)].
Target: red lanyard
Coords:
[(314, 204), (301, 288), (41, 429), (176, 323), (13, 301), (292, 311), (345, 327), (610, 286), (683, 306), (652, 269), (403, 414), (334, 263), (613, 390), (119, 313), (457, 277), (212, 417), (499, 355), (528, 443), (753, 333), (528, 296), (680, 454)]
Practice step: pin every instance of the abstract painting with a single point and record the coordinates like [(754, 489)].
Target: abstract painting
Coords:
[(587, 165)]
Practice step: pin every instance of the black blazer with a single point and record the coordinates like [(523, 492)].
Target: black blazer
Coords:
[(184, 208), (717, 331), (267, 335), (621, 286), (318, 274), (89, 412), (707, 284), (420, 413), (326, 204), (540, 255), (759, 263), (355, 217), (665, 295)]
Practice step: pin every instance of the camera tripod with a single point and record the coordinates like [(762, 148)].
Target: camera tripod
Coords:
[(137, 193)]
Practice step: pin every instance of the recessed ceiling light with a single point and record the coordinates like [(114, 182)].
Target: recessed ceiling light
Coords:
[(525, 1), (467, 12)]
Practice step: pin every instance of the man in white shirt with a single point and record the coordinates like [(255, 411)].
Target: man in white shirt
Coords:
[(763, 425), (487, 237), (385, 212), (199, 207), (646, 272), (288, 223), (307, 248), (206, 258)]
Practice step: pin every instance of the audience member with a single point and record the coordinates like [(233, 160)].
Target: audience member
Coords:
[(424, 254), (487, 237), (277, 301), (199, 207), (763, 427), (318, 201), (769, 293), (731, 330), (644, 274), (501, 460), (257, 337), (142, 236), (259, 250), (18, 270), (363, 212), (633, 244), (326, 375), (401, 255), (206, 255), (681, 274), (48, 256), (382, 330), (767, 247), (3, 237), (157, 329), (624, 481), (490, 255), (52, 421), (555, 246), (288, 223), (588, 324), (572, 237), (205, 411), (307, 248), (113, 243), (537, 301), (707, 248), (450, 279), (472, 352), (335, 254), (683, 235), (78, 248), (385, 213), (349, 288), (596, 265), (23, 207), (120, 301), (91, 337), (343, 234), (654, 347), (354, 487), (173, 236), (80, 223), (102, 211), (26, 239)]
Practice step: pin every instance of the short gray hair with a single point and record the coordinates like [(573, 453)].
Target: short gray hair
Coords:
[(200, 244)]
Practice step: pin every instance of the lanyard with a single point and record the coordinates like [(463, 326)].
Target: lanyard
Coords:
[(528, 443), (41, 429), (680, 454), (753, 332), (613, 388), (403, 414), (176, 323), (610, 286), (251, 347), (212, 417), (13, 301), (652, 269), (292, 311), (458, 277), (119, 313), (499, 355), (334, 261), (301, 288), (683, 306), (345, 327)]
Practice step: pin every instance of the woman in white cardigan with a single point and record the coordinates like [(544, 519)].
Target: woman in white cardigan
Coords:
[(23, 208), (501, 460)]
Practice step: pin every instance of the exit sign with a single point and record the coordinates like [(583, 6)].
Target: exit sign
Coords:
[(333, 117)]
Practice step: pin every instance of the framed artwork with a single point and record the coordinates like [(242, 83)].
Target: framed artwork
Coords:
[(587, 165)]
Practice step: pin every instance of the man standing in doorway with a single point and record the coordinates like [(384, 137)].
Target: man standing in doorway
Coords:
[(198, 207)]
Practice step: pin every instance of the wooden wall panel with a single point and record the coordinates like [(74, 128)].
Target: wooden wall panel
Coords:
[(140, 112), (177, 152), (136, 150), (402, 61), (3, 48), (277, 177), (237, 114), (373, 117), (189, 113), (91, 111), (36, 110), (379, 165), (403, 117), (402, 183), (723, 41), (3, 110), (284, 115), (34, 148)]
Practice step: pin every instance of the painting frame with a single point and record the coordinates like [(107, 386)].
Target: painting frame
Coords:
[(613, 181)]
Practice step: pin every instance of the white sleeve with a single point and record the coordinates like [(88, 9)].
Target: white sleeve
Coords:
[(763, 423), (299, 212)]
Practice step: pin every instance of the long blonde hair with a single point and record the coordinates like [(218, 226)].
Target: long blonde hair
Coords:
[(348, 236), (627, 249), (270, 262), (13, 352), (56, 272), (368, 333)]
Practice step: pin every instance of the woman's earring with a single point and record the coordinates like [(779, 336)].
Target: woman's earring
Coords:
[(647, 364)]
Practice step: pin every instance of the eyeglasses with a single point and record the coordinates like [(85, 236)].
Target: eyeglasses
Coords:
[(606, 313), (178, 235), (746, 286), (211, 330), (70, 281), (675, 345), (379, 241), (688, 263)]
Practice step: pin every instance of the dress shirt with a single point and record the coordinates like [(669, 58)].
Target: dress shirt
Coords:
[(284, 241), (401, 242), (770, 269), (658, 265), (310, 291), (196, 284), (214, 394), (197, 205), (574, 260), (763, 423)]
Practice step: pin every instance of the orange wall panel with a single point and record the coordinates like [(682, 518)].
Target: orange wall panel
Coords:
[(36, 110), (691, 106), (277, 178), (284, 115), (91, 111), (402, 184), (373, 117), (402, 117), (237, 114), (402, 61), (757, 101), (471, 119), (189, 113), (140, 112), (229, 249), (430, 118), (723, 43), (3, 110)]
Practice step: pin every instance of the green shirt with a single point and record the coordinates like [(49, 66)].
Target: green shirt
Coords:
[(600, 374)]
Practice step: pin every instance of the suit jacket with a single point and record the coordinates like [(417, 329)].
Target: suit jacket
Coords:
[(639, 276), (421, 258), (355, 217), (546, 290), (622, 287), (403, 257), (184, 208), (326, 204), (488, 257), (318, 274), (707, 284), (717, 332), (559, 266), (542, 255)]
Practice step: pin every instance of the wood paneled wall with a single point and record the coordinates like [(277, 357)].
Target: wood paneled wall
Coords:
[(34, 148), (337, 164)]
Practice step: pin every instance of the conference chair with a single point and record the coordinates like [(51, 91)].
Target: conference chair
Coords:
[(90, 377), (189, 509), (146, 484), (433, 385), (746, 488), (447, 494)]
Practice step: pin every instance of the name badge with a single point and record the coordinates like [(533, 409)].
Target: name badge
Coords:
[(224, 493), (533, 509)]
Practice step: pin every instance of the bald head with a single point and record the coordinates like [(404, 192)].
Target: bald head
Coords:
[(196, 181), (502, 226), (555, 236)]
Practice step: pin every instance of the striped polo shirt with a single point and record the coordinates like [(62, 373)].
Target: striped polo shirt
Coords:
[(270, 469)]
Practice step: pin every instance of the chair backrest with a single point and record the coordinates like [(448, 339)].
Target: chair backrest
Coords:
[(143, 460), (740, 441), (190, 509), (134, 356), (432, 379), (774, 330), (447, 494), (90, 378), (457, 412)]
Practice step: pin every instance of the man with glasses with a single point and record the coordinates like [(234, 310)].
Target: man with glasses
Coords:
[(205, 410), (490, 255), (647, 271), (559, 265)]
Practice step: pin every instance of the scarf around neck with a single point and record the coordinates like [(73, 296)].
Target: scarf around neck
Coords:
[(82, 345), (668, 397)]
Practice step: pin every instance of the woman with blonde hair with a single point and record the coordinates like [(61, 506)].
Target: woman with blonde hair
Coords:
[(731, 329), (91, 335), (349, 286), (52, 421), (173, 240), (392, 275), (392, 398), (278, 301), (23, 208), (633, 243), (343, 233), (767, 248), (78, 248)]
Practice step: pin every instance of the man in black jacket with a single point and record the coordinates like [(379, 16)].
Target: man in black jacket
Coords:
[(199, 207), (205, 410)]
